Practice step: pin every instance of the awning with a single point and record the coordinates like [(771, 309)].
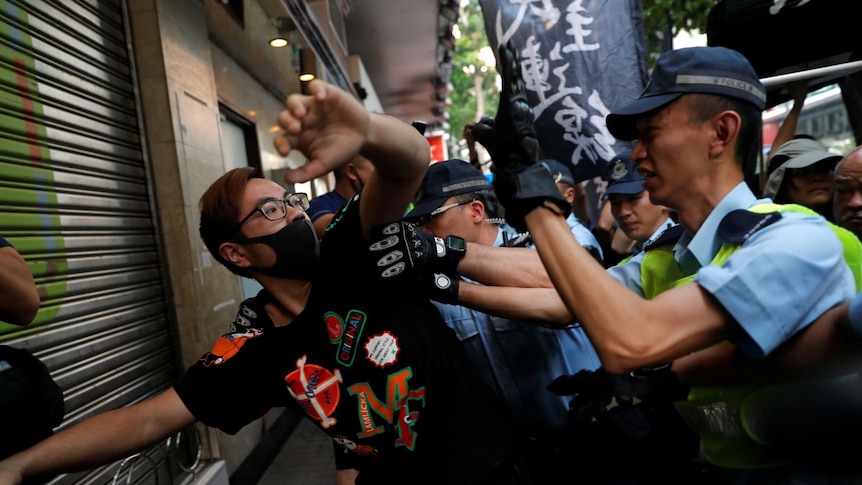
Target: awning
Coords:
[(786, 37)]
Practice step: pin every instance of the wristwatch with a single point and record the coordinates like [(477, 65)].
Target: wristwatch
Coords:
[(456, 246)]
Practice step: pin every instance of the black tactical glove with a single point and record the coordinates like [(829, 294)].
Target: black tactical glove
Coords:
[(520, 182), (593, 392), (658, 385), (402, 246), (483, 132), (514, 145), (442, 287)]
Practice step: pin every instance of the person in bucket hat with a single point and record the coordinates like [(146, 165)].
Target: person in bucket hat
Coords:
[(800, 172)]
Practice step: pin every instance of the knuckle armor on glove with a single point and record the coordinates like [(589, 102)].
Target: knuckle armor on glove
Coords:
[(402, 247)]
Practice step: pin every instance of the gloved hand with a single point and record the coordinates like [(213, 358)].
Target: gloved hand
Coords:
[(483, 132), (593, 392), (520, 182), (514, 145), (402, 246), (656, 386), (442, 287)]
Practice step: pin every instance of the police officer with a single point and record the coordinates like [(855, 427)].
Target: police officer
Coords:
[(753, 277), (517, 353), (638, 218)]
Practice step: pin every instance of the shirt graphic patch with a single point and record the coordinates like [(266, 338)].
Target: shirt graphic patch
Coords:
[(345, 333), (382, 350), (355, 447), (227, 346), (400, 405), (316, 390)]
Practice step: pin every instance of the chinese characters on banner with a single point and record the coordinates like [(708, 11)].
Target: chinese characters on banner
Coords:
[(580, 59)]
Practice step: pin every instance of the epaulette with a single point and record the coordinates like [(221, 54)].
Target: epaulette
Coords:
[(669, 236), (739, 225)]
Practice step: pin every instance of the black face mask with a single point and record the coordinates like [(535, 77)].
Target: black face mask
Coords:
[(296, 248)]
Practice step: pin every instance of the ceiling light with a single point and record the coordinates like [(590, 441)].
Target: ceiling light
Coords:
[(306, 77), (278, 42)]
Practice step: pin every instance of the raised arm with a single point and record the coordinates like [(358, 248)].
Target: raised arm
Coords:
[(798, 91), (100, 440), (19, 300), (630, 333), (330, 127), (401, 156)]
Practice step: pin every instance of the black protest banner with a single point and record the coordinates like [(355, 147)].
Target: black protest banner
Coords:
[(580, 60)]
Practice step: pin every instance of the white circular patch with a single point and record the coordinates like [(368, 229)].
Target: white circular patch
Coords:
[(382, 349), (442, 281), (441, 247)]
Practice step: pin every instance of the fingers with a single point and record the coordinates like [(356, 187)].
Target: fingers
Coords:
[(282, 144), (291, 119), (318, 89), (311, 170), (324, 126)]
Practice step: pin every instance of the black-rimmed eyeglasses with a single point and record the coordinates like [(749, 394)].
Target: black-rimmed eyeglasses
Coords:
[(275, 209), (426, 219)]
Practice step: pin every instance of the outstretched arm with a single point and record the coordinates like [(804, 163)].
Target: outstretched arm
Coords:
[(542, 305), (517, 267), (632, 332), (19, 300), (829, 343), (100, 440)]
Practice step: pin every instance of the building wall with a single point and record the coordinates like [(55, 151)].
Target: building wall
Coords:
[(183, 76)]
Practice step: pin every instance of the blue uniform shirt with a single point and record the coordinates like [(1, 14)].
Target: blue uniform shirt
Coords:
[(780, 280), (583, 235), (667, 224), (328, 203), (520, 359)]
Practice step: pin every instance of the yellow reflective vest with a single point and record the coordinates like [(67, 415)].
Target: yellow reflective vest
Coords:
[(718, 414)]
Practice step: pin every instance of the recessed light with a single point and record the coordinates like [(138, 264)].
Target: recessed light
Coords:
[(306, 77), (278, 42)]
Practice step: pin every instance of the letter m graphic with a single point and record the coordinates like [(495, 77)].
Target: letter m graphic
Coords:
[(395, 409)]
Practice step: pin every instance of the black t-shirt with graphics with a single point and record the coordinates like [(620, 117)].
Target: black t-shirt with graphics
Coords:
[(372, 365)]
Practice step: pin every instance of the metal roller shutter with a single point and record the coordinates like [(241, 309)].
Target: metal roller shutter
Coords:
[(75, 201)]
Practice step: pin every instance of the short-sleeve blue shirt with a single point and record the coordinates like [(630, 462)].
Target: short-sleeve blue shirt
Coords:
[(521, 358), (583, 235), (781, 279), (328, 203)]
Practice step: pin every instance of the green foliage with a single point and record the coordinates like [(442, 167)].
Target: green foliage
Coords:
[(468, 102), (670, 17)]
